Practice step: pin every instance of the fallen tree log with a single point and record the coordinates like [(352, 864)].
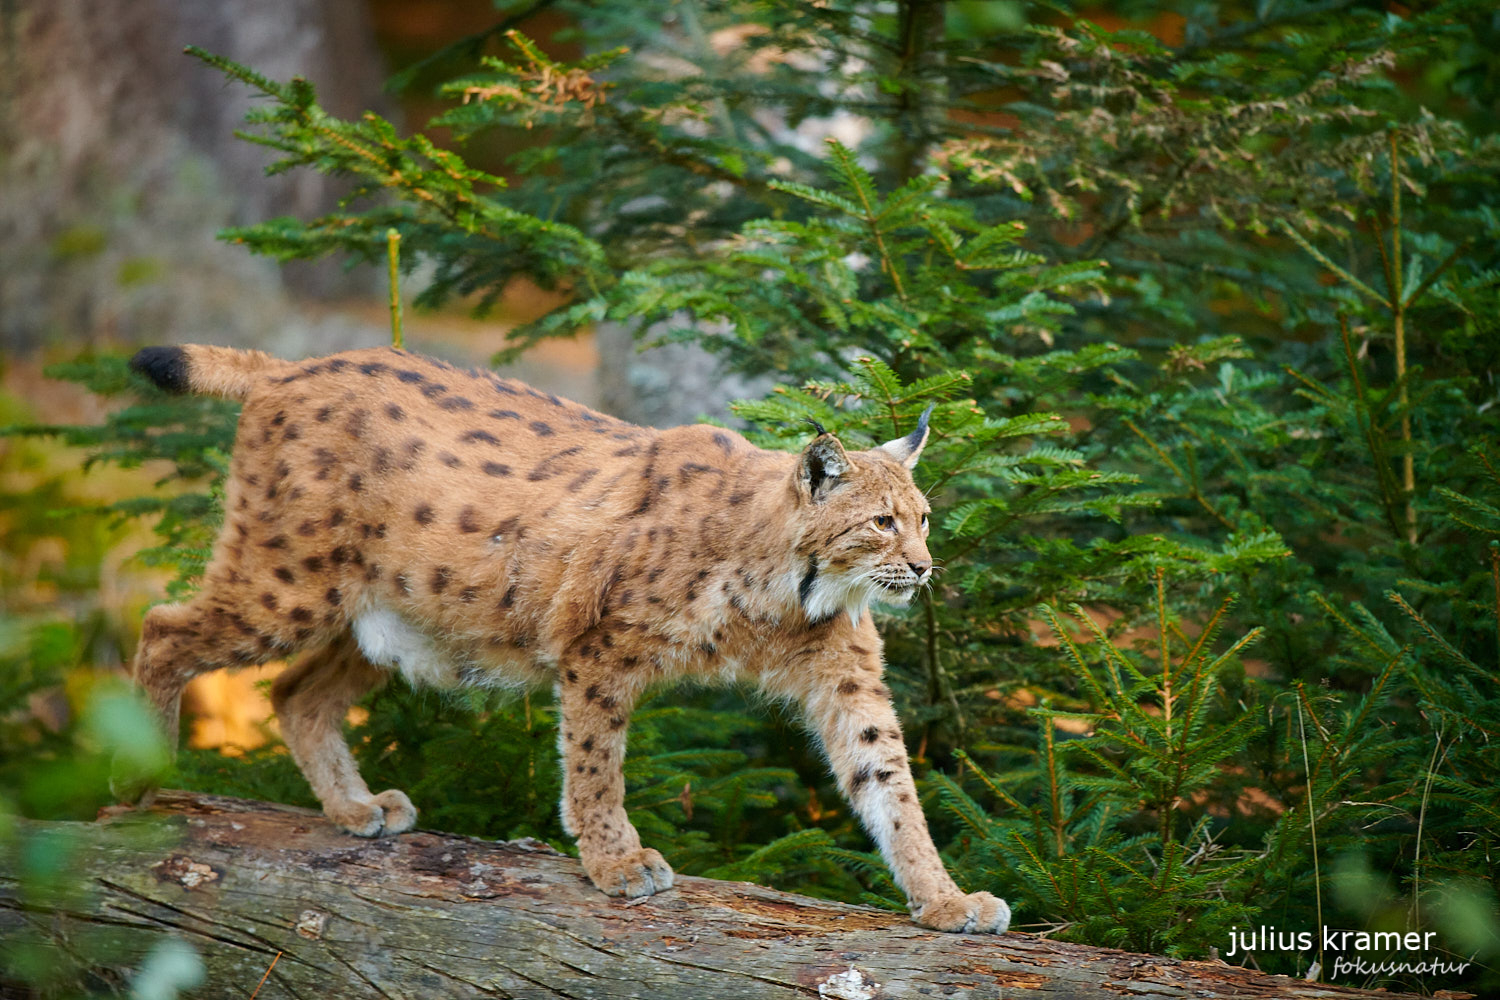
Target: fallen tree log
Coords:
[(431, 915)]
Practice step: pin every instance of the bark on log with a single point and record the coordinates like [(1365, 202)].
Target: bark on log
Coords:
[(431, 915)]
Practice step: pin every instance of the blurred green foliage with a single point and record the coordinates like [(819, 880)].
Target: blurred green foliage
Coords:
[(1207, 303)]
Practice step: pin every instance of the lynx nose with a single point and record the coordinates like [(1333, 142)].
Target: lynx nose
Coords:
[(921, 567)]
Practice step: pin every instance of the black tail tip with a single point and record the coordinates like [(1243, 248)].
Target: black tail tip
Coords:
[(167, 367)]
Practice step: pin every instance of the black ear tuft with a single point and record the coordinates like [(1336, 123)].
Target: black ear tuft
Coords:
[(816, 426), (166, 367)]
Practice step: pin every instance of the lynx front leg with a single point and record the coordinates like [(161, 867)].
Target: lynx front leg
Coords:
[(862, 737), (595, 709)]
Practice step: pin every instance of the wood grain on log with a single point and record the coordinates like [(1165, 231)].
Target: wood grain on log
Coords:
[(431, 915)]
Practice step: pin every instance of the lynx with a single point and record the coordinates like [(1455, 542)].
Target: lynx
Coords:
[(389, 514)]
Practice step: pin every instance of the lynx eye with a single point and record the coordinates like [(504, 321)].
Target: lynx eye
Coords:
[(924, 522), (885, 522)]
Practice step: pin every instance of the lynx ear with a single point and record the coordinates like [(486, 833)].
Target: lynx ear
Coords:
[(823, 466), (907, 450)]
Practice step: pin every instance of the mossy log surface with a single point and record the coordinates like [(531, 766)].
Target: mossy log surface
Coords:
[(431, 915)]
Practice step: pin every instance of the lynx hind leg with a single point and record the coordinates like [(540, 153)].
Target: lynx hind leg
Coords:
[(595, 709), (312, 697), (179, 642)]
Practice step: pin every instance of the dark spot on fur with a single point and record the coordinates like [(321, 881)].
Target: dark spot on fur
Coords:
[(394, 411), (469, 437), (453, 403), (313, 564), (468, 594), (449, 459), (408, 376), (571, 675), (355, 426), (269, 600), (373, 368), (333, 596), (848, 687), (804, 589), (588, 745), (400, 580), (617, 722), (870, 735), (336, 518), (883, 776), (860, 777), (356, 483), (412, 449), (468, 520), (434, 389), (505, 414), (423, 514), (284, 575), (496, 469), (510, 596), (382, 461), (293, 432), (577, 482), (300, 614), (724, 441), (592, 692), (372, 572), (307, 528), (545, 468), (279, 542), (340, 555), (541, 428), (440, 578), (279, 419)]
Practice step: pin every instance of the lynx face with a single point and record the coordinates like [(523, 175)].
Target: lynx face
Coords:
[(871, 523), (389, 514)]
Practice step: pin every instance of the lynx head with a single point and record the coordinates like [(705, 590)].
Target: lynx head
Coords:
[(866, 524)]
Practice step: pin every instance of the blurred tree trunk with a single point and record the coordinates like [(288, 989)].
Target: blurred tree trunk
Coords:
[(924, 95), (118, 164), (429, 915)]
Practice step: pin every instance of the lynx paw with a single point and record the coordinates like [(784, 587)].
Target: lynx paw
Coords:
[(976, 913), (130, 787), (389, 812), (640, 873)]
